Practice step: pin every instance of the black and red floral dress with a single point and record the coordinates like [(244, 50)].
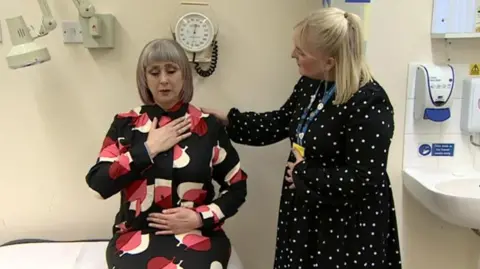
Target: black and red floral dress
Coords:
[(180, 177)]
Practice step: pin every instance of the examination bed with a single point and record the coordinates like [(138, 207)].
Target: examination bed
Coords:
[(46, 254)]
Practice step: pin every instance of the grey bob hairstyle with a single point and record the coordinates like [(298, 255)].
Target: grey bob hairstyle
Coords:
[(163, 50)]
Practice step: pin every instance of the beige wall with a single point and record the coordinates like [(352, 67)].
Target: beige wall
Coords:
[(54, 117)]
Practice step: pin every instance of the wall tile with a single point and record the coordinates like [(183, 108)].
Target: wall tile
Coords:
[(452, 126), (463, 157), (476, 163), (411, 156), (461, 73), (475, 151)]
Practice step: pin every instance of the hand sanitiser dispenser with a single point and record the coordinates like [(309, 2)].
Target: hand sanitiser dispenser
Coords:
[(433, 89), (470, 111)]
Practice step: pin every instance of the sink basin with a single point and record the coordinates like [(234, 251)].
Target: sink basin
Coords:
[(465, 187), (454, 197)]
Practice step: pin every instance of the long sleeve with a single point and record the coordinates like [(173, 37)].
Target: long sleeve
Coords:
[(260, 129), (232, 180), (368, 133), (118, 163)]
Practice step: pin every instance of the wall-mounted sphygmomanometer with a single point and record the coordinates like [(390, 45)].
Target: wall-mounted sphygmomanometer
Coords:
[(195, 30)]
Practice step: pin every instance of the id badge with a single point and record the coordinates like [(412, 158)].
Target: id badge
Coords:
[(300, 149)]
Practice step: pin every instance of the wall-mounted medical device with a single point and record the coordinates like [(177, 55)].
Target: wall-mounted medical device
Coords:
[(433, 88), (195, 28), (454, 16), (470, 111), (97, 31), (25, 52)]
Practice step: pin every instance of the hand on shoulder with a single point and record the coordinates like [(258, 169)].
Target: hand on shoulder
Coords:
[(221, 116)]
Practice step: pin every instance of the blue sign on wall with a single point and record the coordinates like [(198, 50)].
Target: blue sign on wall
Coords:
[(425, 149), (437, 149), (443, 149)]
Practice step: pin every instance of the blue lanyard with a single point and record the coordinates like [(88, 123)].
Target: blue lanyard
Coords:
[(309, 116)]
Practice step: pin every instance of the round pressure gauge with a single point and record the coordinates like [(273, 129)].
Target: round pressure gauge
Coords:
[(194, 32)]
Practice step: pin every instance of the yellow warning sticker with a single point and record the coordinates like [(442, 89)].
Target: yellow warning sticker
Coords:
[(474, 69)]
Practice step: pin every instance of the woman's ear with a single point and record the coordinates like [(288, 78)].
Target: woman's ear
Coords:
[(330, 64)]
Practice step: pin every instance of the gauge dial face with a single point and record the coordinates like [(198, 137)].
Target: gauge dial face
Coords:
[(194, 32)]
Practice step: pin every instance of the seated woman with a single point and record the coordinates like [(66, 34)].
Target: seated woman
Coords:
[(162, 158)]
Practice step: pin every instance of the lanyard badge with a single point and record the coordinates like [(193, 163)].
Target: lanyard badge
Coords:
[(307, 117), (299, 149)]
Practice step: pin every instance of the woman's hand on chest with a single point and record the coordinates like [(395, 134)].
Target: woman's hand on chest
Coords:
[(163, 138)]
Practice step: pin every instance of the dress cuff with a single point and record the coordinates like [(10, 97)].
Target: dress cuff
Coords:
[(232, 118), (232, 113), (140, 157), (148, 152), (208, 222), (300, 169), (209, 219)]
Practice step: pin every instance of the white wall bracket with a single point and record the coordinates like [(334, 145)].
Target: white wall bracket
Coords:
[(98, 30)]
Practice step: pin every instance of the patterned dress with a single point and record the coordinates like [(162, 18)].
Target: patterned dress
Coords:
[(341, 213), (180, 177)]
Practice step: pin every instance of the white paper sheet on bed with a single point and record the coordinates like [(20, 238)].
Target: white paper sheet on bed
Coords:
[(64, 255), (55, 255)]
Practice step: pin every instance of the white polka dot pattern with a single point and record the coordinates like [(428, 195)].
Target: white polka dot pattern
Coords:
[(341, 212)]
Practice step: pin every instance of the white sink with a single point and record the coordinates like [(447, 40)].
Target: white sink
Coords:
[(452, 196)]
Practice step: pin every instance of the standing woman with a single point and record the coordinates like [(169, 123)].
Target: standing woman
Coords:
[(337, 208)]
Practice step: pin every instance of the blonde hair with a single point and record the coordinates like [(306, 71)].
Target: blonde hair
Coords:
[(163, 50), (338, 34)]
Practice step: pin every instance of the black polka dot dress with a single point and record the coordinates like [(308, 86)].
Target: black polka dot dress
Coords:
[(341, 213)]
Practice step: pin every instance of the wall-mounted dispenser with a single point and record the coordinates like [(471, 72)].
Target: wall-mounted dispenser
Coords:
[(470, 111), (433, 88)]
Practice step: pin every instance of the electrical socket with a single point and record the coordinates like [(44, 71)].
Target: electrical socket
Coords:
[(72, 32)]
